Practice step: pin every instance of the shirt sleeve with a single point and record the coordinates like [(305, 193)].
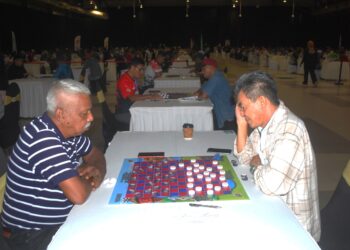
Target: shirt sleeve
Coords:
[(124, 90), (50, 160), (285, 164), (245, 156)]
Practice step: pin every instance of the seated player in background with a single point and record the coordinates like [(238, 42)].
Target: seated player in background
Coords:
[(16, 70), (63, 70), (153, 71), (127, 90), (218, 90), (52, 167), (278, 150)]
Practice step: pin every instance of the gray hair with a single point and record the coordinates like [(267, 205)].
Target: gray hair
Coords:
[(68, 86), (255, 84)]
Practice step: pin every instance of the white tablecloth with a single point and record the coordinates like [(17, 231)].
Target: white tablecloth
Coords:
[(330, 71), (179, 71), (180, 64), (177, 82), (33, 95), (263, 222), (170, 115)]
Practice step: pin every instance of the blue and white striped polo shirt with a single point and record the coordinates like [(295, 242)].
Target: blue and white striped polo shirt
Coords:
[(41, 159)]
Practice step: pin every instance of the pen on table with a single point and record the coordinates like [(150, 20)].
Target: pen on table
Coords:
[(202, 205)]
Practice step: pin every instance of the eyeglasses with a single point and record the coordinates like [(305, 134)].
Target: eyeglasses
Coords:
[(141, 69), (244, 107)]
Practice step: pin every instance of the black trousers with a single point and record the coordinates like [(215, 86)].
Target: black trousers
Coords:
[(19, 239), (310, 70)]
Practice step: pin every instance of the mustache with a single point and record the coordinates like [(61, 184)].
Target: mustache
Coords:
[(87, 126)]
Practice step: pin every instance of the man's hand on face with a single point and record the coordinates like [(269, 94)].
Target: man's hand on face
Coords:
[(241, 121)]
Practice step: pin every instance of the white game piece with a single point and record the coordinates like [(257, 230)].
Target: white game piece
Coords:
[(190, 179), (181, 164), (222, 172), (210, 192), (198, 189), (189, 168), (206, 173), (209, 169), (199, 176), (215, 162), (189, 173), (217, 188), (219, 167), (191, 192), (190, 185), (209, 186), (196, 170), (207, 179), (222, 178), (196, 165), (201, 167), (172, 168), (193, 161), (224, 184), (212, 175)]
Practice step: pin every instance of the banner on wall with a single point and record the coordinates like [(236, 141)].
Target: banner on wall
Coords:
[(77, 41), (106, 43), (14, 43)]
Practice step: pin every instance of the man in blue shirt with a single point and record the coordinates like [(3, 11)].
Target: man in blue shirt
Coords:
[(51, 168), (217, 89)]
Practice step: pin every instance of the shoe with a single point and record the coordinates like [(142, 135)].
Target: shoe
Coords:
[(304, 83)]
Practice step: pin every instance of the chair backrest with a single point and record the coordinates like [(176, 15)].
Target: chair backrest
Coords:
[(12, 104), (9, 126), (335, 216), (3, 168)]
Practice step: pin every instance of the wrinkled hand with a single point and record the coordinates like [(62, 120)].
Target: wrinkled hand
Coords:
[(255, 161), (91, 174)]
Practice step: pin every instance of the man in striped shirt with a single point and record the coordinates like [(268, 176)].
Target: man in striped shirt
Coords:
[(278, 150), (51, 168)]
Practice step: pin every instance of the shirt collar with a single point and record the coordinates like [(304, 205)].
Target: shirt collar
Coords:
[(275, 118), (46, 118)]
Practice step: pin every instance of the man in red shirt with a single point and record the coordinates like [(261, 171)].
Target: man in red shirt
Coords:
[(127, 89)]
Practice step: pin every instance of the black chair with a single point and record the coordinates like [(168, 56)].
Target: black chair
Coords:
[(335, 216), (110, 125), (9, 126)]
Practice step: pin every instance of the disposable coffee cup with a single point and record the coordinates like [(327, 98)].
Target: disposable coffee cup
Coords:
[(188, 131)]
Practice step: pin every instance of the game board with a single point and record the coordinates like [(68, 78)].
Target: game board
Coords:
[(177, 179)]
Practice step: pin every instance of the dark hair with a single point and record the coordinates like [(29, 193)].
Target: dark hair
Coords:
[(255, 84), (136, 61)]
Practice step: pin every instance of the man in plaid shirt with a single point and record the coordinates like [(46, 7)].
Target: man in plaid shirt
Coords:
[(278, 149)]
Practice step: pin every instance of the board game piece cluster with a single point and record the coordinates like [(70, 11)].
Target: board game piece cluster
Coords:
[(172, 178)]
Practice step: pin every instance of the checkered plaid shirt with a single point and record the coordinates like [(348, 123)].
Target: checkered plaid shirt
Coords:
[(289, 168)]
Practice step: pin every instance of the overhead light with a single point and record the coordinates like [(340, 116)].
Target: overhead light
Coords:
[(97, 12), (233, 5), (284, 1), (141, 6)]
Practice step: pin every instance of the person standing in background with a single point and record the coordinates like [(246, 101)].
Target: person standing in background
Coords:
[(310, 61)]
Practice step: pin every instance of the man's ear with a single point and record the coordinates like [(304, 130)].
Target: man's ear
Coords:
[(59, 114), (263, 101)]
